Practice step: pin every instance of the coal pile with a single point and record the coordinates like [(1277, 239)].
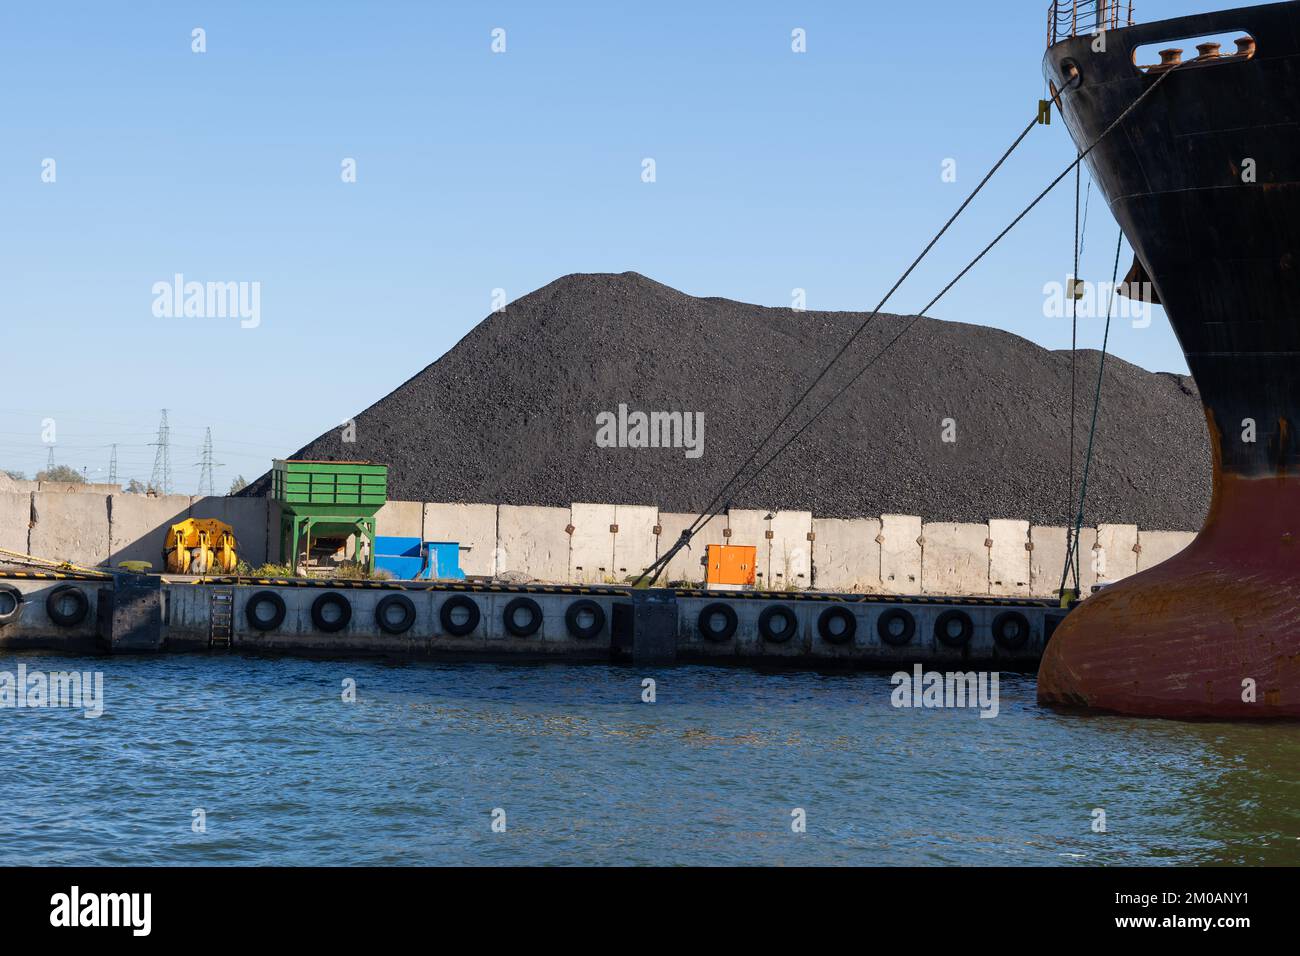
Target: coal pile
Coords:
[(510, 415)]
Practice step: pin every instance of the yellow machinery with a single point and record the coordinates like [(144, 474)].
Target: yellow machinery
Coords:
[(201, 546)]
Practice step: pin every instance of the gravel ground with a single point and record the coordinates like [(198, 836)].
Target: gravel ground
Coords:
[(509, 414)]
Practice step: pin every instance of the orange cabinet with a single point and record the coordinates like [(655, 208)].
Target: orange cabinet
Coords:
[(730, 565)]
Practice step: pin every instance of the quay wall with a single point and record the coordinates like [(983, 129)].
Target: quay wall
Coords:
[(608, 543)]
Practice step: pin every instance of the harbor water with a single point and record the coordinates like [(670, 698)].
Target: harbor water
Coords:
[(228, 759)]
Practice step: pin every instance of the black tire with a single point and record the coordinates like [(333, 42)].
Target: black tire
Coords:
[(258, 622), (80, 606), (885, 628), (771, 633), (10, 595), (386, 623), (710, 633), (597, 619), (450, 606), (328, 599), (832, 614), (943, 633), (1011, 630), (534, 617)]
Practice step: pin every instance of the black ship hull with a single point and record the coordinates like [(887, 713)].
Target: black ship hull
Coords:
[(1204, 178)]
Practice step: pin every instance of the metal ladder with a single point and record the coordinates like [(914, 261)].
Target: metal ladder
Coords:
[(221, 620)]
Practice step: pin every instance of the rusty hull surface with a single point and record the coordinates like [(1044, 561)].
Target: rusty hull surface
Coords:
[(1180, 639)]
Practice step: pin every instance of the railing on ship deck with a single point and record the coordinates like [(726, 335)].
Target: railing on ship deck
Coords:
[(1069, 18)]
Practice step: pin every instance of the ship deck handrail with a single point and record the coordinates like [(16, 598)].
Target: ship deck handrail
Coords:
[(1069, 18)]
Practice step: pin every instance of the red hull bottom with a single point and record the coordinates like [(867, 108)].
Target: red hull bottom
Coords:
[(1192, 636)]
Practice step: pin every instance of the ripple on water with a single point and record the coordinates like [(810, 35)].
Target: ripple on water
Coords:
[(286, 772)]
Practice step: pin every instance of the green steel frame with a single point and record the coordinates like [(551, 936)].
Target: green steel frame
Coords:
[(328, 499)]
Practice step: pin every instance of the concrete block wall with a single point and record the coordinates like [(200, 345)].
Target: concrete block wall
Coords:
[(15, 515), (954, 558), (900, 554), (846, 554), (256, 538), (71, 527), (1158, 546), (401, 519), (746, 526), (1116, 554), (474, 526), (1048, 558), (635, 543), (1010, 564), (789, 553), (532, 541), (688, 563), (138, 526), (591, 542)]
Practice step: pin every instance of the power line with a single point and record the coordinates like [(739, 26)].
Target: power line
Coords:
[(161, 480), (206, 486)]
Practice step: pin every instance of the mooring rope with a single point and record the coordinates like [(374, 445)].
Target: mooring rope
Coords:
[(657, 567), (1072, 546)]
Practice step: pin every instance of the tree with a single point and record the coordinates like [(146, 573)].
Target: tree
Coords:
[(16, 475), (63, 474), (135, 487), (238, 485)]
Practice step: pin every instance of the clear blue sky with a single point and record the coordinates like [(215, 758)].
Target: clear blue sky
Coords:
[(478, 171)]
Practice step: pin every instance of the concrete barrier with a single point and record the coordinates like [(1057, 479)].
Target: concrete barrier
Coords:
[(789, 554), (1047, 560), (863, 555), (846, 555), (139, 526), (15, 513), (635, 543), (531, 541), (747, 526), (247, 517), (954, 558), (1116, 551), (591, 545), (401, 519), (900, 554), (688, 564), (1157, 546), (1009, 558), (474, 526), (71, 527), (74, 488)]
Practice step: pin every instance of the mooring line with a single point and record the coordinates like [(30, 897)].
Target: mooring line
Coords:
[(658, 566)]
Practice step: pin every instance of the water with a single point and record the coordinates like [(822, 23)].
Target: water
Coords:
[(287, 773)]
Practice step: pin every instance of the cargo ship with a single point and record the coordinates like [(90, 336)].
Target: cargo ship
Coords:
[(1202, 178)]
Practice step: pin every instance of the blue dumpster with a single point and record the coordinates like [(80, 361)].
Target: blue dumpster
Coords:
[(444, 560), (400, 557)]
